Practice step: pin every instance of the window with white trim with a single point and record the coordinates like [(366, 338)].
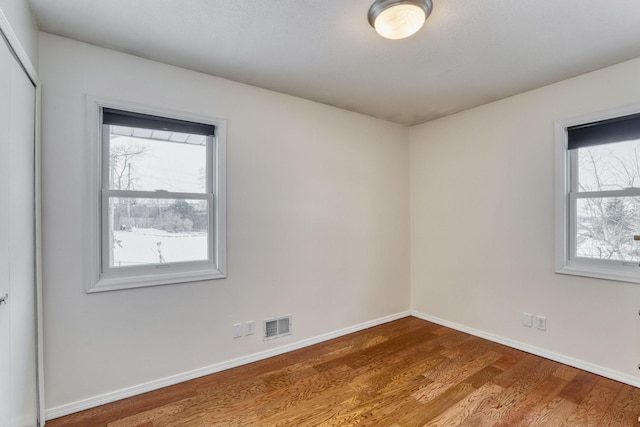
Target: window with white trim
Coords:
[(598, 197), (160, 197)]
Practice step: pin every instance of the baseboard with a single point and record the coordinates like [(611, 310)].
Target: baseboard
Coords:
[(576, 363), (102, 399)]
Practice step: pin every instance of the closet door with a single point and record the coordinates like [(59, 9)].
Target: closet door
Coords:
[(18, 398)]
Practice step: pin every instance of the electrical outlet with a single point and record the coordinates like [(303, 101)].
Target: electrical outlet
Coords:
[(249, 328), (541, 323), (527, 320), (237, 330)]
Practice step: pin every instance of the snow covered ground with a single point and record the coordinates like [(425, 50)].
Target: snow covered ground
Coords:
[(141, 246)]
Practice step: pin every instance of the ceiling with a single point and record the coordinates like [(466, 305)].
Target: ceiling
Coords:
[(470, 52)]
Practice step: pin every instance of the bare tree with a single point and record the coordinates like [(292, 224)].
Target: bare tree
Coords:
[(121, 159), (605, 225)]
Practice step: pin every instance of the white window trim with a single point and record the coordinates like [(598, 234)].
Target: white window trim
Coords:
[(188, 272), (601, 269)]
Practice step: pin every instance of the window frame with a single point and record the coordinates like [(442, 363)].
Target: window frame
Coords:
[(566, 197), (101, 279)]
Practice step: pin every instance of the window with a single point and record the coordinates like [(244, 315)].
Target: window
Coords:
[(159, 196), (598, 196)]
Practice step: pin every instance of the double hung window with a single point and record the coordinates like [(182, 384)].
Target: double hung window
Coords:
[(598, 198), (160, 200)]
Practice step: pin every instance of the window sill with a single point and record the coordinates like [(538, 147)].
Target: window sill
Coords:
[(614, 272), (143, 281)]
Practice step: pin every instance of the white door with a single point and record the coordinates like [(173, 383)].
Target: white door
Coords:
[(18, 397)]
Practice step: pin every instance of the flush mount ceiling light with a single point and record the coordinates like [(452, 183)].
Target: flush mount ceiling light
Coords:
[(398, 19)]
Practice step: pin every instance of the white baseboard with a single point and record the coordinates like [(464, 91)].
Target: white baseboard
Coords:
[(92, 402), (576, 363)]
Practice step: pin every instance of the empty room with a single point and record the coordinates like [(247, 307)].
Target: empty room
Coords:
[(319, 213)]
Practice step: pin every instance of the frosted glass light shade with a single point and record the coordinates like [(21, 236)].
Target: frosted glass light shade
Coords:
[(398, 19)]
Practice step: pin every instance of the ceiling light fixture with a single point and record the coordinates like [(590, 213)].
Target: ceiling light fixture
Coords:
[(398, 19)]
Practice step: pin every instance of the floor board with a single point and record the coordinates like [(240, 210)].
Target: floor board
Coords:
[(404, 373)]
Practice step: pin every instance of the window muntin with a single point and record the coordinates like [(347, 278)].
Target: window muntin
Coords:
[(598, 200), (160, 198)]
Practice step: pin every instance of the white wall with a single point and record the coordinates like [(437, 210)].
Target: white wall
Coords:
[(482, 226), (318, 214), (24, 25)]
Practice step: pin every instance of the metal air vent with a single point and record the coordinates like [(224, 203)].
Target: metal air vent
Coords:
[(276, 328)]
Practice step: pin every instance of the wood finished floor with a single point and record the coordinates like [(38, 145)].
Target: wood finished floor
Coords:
[(404, 373)]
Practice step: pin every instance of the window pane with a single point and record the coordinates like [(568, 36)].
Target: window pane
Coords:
[(157, 231), (605, 227), (149, 160), (609, 167)]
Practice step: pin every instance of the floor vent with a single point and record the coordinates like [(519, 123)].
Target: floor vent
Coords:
[(276, 328)]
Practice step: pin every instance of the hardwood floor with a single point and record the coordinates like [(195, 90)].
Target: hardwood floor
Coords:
[(404, 373)]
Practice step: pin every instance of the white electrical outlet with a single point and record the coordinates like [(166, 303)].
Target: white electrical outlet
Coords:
[(527, 320), (541, 323), (237, 330), (249, 328)]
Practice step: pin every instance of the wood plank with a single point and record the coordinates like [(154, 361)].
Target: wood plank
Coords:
[(510, 356), (516, 387), (579, 387), (593, 408), (542, 393), (625, 410), (434, 407), (455, 373), (459, 412), (552, 413)]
